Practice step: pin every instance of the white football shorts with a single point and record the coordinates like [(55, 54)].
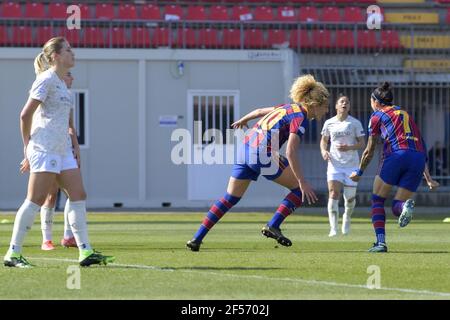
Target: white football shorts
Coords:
[(48, 162), (341, 174)]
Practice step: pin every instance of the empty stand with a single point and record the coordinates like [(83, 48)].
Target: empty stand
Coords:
[(208, 38), (196, 13), (43, 34), (11, 9), (150, 12), (231, 38), (22, 36), (127, 12), (254, 38), (263, 13), (34, 10), (104, 11), (330, 14), (161, 37), (3, 36), (345, 39), (57, 10), (94, 37), (367, 39), (276, 37), (300, 39), (140, 37), (390, 39), (218, 13), (286, 13), (241, 13), (353, 14), (308, 14), (322, 39), (173, 12)]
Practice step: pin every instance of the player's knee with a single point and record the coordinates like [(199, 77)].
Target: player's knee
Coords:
[(334, 194)]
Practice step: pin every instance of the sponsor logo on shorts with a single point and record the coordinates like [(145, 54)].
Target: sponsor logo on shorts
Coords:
[(53, 163)]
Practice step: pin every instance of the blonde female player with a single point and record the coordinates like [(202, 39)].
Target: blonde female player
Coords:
[(45, 140), (347, 136), (48, 209), (285, 123)]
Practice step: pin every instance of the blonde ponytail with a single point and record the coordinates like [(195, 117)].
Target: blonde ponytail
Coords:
[(40, 63), (309, 92)]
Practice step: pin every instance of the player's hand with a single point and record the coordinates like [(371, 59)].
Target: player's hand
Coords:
[(24, 165), (307, 192), (343, 147), (432, 184), (326, 155), (354, 177), (239, 124)]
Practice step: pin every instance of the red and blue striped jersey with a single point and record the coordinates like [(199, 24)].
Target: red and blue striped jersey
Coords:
[(283, 120), (397, 129)]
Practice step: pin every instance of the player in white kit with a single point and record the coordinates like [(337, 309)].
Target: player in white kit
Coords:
[(48, 153), (346, 135)]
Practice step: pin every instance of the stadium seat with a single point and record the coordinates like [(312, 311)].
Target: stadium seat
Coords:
[(330, 14), (118, 37), (241, 13), (276, 37), (308, 14), (11, 10), (85, 11), (173, 12), (263, 13), (345, 39), (127, 11), (300, 38), (94, 37), (161, 37), (22, 36), (3, 36), (74, 36), (196, 13), (322, 39), (218, 13), (104, 11), (286, 13), (43, 34), (34, 10), (366, 39), (231, 38), (186, 38), (390, 39), (353, 14), (448, 16), (253, 39), (208, 38), (57, 10), (140, 37), (150, 12)]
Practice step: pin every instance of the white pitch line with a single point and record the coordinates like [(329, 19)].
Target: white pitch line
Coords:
[(311, 282)]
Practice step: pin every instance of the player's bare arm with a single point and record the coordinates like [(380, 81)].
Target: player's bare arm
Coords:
[(366, 157), (255, 114), (432, 184), (324, 148)]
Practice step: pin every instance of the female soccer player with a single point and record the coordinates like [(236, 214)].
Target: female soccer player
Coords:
[(280, 124), (403, 164), (347, 136), (46, 142)]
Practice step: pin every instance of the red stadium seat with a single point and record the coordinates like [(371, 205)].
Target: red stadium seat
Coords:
[(345, 39), (57, 10), (3, 36), (241, 13), (34, 10), (74, 36), (448, 15), (218, 13), (196, 13), (118, 37), (150, 12), (94, 37), (330, 14), (390, 39), (367, 39), (22, 36), (308, 14), (173, 12), (43, 34), (322, 39), (11, 10), (286, 13), (231, 38), (186, 38), (85, 11), (263, 13), (140, 37), (162, 37), (353, 14), (127, 11), (276, 37), (104, 11), (254, 38), (208, 38), (300, 38)]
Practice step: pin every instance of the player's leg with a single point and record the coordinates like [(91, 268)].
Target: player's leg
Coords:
[(68, 239), (71, 181), (334, 193), (349, 201), (47, 213), (235, 190), (38, 185)]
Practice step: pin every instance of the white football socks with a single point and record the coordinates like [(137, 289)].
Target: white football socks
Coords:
[(77, 220), (349, 194), (333, 215), (47, 223), (22, 224)]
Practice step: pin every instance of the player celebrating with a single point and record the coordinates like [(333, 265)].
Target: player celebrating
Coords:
[(281, 124), (403, 164), (347, 136), (45, 138)]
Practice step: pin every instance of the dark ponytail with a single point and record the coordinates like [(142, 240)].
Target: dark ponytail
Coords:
[(383, 94)]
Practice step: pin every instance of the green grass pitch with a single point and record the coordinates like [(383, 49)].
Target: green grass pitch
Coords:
[(235, 261)]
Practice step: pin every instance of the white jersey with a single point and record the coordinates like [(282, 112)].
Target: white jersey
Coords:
[(343, 132), (50, 126)]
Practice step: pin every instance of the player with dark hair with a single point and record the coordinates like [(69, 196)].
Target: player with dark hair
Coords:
[(403, 163)]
